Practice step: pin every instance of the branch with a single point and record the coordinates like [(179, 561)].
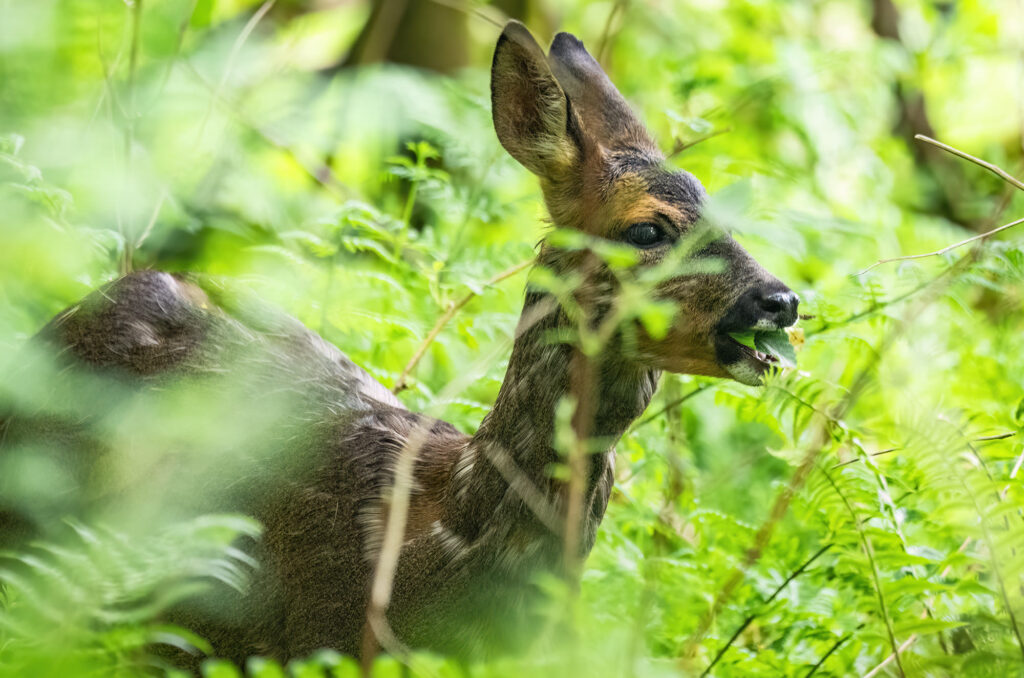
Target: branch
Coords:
[(980, 236), (995, 169), (894, 656), (247, 30), (454, 307)]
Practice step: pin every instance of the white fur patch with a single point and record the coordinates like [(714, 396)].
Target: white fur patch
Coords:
[(452, 544), (463, 469)]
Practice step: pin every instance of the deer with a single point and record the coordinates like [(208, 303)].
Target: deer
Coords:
[(323, 481)]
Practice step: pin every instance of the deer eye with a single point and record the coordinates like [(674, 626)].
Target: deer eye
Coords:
[(646, 235)]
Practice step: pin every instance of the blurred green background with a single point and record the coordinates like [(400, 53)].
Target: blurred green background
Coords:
[(337, 157)]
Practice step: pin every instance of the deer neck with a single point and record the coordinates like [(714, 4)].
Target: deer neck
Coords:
[(503, 478)]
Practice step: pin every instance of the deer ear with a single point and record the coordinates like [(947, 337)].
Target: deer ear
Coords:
[(530, 110), (604, 112)]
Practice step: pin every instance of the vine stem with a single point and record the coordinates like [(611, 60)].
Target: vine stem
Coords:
[(453, 307)]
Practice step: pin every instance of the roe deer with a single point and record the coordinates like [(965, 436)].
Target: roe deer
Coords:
[(472, 544)]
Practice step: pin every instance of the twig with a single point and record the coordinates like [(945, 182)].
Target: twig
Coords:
[(746, 622), (998, 436), (812, 451), (582, 386), (606, 34), (681, 146), (835, 646), (995, 169), (983, 439), (894, 656), (247, 30), (497, 18), (454, 307), (980, 236), (761, 539), (998, 171), (129, 124), (875, 308), (675, 403), (377, 629), (873, 454)]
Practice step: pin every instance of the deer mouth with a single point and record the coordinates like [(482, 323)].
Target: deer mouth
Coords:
[(743, 363)]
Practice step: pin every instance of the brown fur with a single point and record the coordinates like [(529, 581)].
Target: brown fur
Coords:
[(486, 515)]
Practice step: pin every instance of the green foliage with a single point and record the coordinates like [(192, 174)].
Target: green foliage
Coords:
[(368, 201), (91, 605)]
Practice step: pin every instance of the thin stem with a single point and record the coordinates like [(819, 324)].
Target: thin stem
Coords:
[(983, 439), (761, 539), (583, 379), (995, 169), (681, 146), (873, 454), (980, 236), (888, 660), (129, 125), (675, 403), (410, 202), (869, 552), (247, 30), (746, 622), (402, 382), (831, 650), (998, 436), (377, 631), (602, 44), (498, 18), (990, 544), (322, 174), (998, 171)]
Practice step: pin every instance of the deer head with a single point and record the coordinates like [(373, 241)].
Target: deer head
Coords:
[(601, 174)]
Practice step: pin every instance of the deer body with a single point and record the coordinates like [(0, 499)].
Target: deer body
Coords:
[(485, 514)]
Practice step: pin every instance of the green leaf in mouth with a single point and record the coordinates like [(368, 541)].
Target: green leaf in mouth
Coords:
[(773, 342)]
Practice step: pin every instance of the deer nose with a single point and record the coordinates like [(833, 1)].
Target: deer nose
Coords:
[(777, 308)]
